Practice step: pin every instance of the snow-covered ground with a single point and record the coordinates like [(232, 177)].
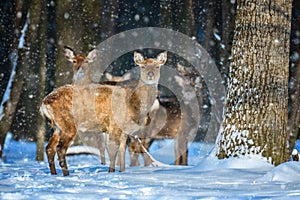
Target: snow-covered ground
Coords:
[(21, 177)]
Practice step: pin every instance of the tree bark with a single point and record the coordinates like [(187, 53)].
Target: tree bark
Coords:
[(255, 115), (228, 13), (25, 120), (10, 106), (11, 51), (7, 9), (78, 26)]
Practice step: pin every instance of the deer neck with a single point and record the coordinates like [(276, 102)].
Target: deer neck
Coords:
[(82, 77), (147, 94)]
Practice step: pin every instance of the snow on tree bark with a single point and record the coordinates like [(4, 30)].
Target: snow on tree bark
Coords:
[(255, 114)]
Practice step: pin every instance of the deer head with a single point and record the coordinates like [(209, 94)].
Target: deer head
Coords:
[(150, 67), (80, 63)]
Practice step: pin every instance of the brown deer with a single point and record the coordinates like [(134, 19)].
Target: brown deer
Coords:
[(175, 120), (60, 114), (165, 123), (114, 109)]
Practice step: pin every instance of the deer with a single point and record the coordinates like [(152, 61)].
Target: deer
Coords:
[(174, 118), (53, 104), (165, 123), (165, 120), (117, 110)]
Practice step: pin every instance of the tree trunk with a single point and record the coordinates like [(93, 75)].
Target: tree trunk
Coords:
[(294, 114), (25, 120), (78, 26), (228, 13), (10, 46), (10, 106), (7, 9), (255, 115)]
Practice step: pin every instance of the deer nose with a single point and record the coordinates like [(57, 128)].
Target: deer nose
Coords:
[(151, 74)]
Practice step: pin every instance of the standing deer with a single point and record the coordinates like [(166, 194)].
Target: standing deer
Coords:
[(59, 114), (176, 120), (114, 109), (165, 123)]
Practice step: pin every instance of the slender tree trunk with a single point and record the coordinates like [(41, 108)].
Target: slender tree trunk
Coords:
[(228, 11), (12, 52), (255, 120), (10, 106), (294, 114), (7, 16), (25, 120), (41, 73), (78, 26)]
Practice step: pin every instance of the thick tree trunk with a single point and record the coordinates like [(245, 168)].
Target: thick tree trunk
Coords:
[(255, 120)]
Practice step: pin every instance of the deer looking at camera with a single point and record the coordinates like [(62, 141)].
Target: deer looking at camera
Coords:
[(164, 122), (171, 120), (114, 109), (59, 113)]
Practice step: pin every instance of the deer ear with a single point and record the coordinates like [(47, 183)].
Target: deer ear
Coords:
[(162, 57), (92, 55), (69, 53), (138, 58)]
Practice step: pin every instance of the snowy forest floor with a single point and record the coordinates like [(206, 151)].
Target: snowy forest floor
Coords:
[(21, 177)]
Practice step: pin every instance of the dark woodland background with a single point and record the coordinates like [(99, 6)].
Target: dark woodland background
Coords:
[(83, 24)]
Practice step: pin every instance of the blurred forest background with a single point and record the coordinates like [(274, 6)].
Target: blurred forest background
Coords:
[(38, 60)]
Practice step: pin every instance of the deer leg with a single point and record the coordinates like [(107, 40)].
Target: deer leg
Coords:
[(177, 152), (122, 150), (102, 143), (181, 151), (61, 152), (134, 152), (147, 159), (51, 150), (134, 159), (112, 150), (62, 148), (147, 143), (184, 152), (184, 159)]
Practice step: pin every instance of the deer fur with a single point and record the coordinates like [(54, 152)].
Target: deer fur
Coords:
[(54, 108), (165, 123), (175, 120), (117, 110)]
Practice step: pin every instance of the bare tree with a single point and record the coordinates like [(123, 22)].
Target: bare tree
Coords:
[(17, 10), (255, 116)]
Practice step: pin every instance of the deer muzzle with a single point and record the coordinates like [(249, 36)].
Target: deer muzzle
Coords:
[(150, 75)]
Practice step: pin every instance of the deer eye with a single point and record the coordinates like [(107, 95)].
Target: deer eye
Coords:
[(74, 61)]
